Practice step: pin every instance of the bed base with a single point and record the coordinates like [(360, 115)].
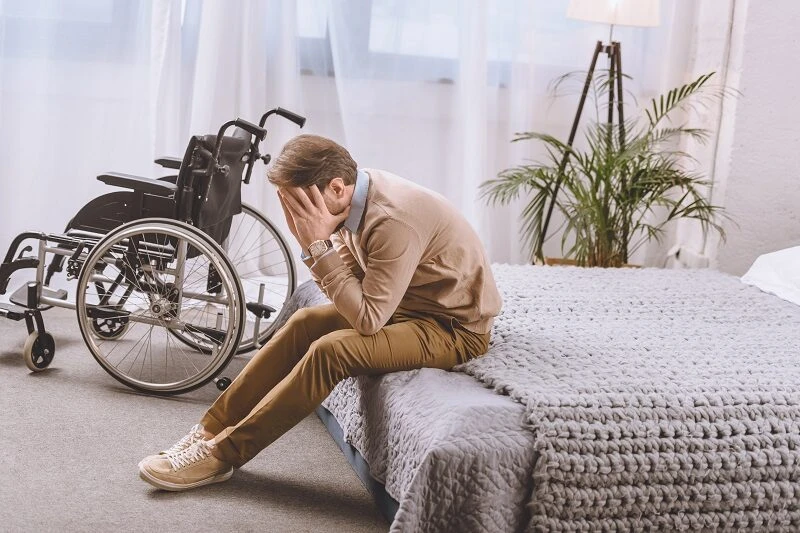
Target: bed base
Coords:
[(386, 504)]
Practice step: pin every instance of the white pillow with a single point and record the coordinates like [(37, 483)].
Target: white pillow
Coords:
[(777, 273)]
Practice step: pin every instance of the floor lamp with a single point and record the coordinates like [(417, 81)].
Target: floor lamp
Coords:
[(642, 13)]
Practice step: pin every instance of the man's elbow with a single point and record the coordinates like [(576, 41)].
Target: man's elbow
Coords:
[(368, 330), (367, 326)]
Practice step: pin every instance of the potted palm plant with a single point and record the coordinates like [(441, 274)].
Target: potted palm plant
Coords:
[(618, 192)]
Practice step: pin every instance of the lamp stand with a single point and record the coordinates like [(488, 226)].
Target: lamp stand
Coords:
[(613, 51)]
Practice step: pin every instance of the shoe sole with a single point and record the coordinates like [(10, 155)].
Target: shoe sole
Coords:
[(175, 487)]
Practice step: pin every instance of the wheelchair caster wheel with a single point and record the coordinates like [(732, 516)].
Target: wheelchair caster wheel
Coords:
[(39, 351), (222, 383)]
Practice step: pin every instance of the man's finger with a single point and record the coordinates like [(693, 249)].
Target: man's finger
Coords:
[(316, 197), (300, 197), (292, 202), (283, 204), (286, 211)]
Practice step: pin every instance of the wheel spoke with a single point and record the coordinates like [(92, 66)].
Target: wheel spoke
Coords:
[(265, 242)]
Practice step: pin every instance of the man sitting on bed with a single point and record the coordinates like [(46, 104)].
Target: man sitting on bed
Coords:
[(410, 284)]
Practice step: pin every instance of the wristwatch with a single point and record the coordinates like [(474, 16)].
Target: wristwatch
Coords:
[(317, 248)]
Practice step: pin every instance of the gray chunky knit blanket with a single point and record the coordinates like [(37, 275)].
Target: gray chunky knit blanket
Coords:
[(660, 399)]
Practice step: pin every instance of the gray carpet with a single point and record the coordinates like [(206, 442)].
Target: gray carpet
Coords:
[(72, 436)]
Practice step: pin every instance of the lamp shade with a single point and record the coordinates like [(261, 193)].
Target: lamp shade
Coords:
[(616, 12)]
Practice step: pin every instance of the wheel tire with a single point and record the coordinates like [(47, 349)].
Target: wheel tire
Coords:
[(38, 351), (169, 225)]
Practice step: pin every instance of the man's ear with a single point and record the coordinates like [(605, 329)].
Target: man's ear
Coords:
[(337, 186)]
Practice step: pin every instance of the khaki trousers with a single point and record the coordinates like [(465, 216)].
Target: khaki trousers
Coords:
[(305, 359)]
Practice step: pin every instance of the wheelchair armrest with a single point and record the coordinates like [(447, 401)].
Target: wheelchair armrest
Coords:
[(137, 183), (169, 162)]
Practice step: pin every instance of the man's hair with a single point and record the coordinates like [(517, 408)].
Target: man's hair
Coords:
[(312, 160)]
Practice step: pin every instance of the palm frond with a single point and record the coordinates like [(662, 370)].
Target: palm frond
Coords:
[(662, 106), (615, 192)]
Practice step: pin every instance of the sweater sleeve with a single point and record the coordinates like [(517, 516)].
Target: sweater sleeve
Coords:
[(393, 254), (347, 257)]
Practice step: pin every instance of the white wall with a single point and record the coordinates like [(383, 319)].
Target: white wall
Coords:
[(762, 190)]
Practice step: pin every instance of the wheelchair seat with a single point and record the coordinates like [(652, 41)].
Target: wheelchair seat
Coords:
[(206, 197)]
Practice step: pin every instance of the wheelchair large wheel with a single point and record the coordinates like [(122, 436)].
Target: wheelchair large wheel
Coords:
[(260, 256), (150, 276)]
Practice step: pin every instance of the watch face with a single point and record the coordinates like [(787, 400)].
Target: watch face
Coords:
[(318, 247)]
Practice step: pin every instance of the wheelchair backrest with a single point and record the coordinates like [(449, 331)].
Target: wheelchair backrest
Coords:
[(208, 197)]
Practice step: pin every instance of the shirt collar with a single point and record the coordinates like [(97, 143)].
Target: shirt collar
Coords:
[(358, 203)]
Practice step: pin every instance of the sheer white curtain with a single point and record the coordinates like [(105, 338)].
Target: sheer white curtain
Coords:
[(436, 90), (241, 60), (431, 90), (717, 46), (74, 101)]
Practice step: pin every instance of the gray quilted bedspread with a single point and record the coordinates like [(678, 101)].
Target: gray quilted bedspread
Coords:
[(454, 454), (646, 399)]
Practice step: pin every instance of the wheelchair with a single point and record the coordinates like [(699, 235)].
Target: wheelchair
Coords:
[(175, 275)]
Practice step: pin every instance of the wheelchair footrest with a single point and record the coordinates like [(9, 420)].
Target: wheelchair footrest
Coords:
[(20, 296), (12, 311), (260, 310)]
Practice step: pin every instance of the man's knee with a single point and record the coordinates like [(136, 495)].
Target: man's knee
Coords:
[(303, 321), (308, 317), (328, 354), (299, 316)]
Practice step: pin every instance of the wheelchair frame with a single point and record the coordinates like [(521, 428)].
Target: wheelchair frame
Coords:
[(185, 199)]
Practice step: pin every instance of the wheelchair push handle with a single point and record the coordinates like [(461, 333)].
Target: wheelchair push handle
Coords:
[(294, 117), (249, 127), (285, 113)]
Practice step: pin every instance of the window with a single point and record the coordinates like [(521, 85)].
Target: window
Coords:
[(85, 30), (314, 45), (419, 39), (405, 39)]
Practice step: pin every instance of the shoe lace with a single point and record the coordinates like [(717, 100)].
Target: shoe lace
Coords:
[(196, 452), (194, 435)]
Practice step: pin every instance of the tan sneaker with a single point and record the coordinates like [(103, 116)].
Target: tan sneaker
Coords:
[(186, 469), (195, 434)]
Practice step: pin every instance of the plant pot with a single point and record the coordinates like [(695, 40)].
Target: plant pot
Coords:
[(560, 261)]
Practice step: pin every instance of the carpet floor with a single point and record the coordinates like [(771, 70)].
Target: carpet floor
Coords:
[(72, 437)]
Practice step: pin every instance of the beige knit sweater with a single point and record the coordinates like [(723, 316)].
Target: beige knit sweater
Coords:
[(413, 251)]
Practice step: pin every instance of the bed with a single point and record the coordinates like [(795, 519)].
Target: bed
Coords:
[(610, 399)]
